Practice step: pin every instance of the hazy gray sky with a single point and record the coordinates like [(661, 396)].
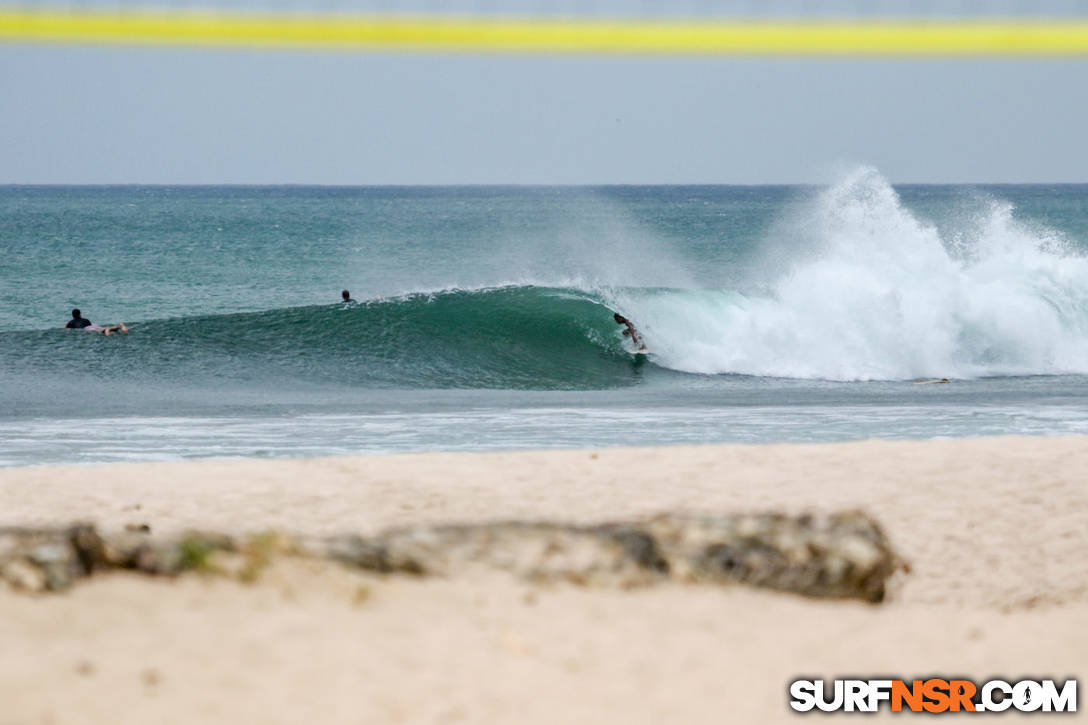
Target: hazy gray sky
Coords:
[(118, 115)]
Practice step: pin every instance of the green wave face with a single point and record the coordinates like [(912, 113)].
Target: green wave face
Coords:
[(507, 337)]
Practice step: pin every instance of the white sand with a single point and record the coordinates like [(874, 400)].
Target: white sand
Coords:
[(996, 530)]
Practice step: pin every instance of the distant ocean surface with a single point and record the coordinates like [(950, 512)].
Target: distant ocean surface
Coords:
[(483, 317)]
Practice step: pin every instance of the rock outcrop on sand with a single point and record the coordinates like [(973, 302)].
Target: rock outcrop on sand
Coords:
[(839, 555)]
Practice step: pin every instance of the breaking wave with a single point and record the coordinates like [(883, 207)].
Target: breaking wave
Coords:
[(857, 288)]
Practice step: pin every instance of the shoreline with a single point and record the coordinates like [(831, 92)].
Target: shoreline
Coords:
[(993, 529)]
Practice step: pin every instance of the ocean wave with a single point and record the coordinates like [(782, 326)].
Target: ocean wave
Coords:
[(507, 337), (868, 291), (859, 288)]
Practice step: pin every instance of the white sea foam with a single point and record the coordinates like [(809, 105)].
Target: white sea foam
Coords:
[(874, 293)]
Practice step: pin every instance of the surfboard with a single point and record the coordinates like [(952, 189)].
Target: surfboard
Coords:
[(932, 382)]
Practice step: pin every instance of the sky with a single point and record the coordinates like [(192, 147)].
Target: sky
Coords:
[(180, 116)]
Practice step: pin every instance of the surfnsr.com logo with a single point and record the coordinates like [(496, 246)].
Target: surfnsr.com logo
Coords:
[(933, 695)]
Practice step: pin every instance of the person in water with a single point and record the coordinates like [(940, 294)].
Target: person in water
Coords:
[(79, 322), (630, 332), (346, 296)]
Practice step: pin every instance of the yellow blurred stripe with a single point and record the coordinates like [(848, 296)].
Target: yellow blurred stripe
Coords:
[(462, 33)]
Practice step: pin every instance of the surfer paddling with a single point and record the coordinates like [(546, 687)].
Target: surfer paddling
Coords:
[(631, 332), (79, 322)]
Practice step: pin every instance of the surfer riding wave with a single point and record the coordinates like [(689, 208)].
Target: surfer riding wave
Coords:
[(631, 332)]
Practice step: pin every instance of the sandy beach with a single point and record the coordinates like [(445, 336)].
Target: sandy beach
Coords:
[(994, 530)]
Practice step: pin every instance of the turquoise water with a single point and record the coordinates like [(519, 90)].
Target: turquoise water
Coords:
[(483, 316)]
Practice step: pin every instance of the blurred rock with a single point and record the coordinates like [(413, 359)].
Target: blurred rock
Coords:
[(21, 574), (838, 555), (842, 555)]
